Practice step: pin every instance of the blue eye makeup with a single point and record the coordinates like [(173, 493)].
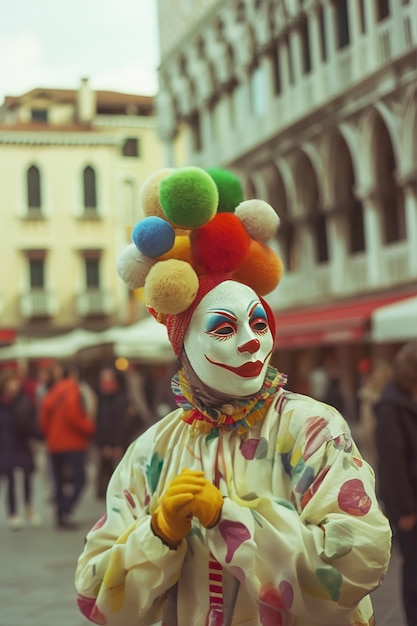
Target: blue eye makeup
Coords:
[(221, 324), (259, 320)]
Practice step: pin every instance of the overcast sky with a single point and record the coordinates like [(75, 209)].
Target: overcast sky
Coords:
[(54, 43)]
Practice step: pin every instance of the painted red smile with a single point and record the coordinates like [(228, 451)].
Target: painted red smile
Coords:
[(247, 370)]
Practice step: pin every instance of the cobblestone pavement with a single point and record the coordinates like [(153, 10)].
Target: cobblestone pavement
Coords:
[(37, 573)]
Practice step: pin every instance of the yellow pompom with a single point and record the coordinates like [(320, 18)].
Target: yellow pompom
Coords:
[(181, 250), (171, 286), (149, 195), (261, 268)]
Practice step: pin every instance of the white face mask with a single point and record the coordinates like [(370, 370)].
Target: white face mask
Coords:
[(229, 342)]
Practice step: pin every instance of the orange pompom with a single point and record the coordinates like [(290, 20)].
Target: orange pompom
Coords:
[(261, 268), (220, 245)]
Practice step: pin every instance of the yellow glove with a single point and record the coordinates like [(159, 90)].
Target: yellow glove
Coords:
[(207, 504), (171, 520)]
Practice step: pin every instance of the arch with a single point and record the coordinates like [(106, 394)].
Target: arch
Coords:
[(368, 138), (330, 160), (308, 197), (286, 234), (342, 190), (249, 188), (389, 194)]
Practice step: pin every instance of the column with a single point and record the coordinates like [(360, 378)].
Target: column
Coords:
[(268, 71), (410, 199), (355, 34), (338, 251), (373, 235), (371, 59), (296, 52)]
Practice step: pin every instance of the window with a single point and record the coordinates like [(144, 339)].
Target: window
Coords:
[(89, 184), (305, 42), (195, 127), (33, 188), (276, 70), (131, 147), (323, 49), (342, 23), (356, 226), (37, 273), (92, 273), (320, 235), (362, 19), (382, 9), (39, 115)]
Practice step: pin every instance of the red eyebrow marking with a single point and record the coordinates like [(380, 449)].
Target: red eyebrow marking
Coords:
[(223, 314)]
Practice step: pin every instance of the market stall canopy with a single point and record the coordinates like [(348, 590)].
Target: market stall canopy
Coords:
[(330, 323), (57, 347), (395, 322), (146, 341)]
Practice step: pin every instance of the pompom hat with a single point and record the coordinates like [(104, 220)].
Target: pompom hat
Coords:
[(191, 240)]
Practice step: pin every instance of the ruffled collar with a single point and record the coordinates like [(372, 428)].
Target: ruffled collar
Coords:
[(237, 415)]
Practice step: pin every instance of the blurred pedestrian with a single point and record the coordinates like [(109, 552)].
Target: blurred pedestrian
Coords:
[(119, 422), (368, 394), (396, 440), (333, 394), (17, 429), (67, 430)]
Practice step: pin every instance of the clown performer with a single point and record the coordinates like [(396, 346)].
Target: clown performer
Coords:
[(248, 504)]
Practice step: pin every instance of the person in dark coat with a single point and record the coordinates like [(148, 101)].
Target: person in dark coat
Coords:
[(17, 429), (118, 423), (396, 442)]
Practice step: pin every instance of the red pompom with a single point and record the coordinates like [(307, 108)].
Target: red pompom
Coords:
[(221, 244)]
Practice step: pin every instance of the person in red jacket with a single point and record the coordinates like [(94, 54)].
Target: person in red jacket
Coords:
[(67, 431)]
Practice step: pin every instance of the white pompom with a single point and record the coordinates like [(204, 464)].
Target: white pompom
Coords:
[(133, 266), (259, 219)]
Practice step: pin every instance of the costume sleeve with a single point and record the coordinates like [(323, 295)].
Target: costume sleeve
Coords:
[(124, 569), (319, 554)]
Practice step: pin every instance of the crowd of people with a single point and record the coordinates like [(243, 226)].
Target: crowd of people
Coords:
[(59, 417), (70, 418)]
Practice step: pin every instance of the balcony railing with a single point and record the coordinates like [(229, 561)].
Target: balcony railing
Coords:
[(38, 303), (396, 263), (94, 302)]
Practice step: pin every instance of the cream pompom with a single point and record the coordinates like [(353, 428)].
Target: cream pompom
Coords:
[(149, 195), (259, 219), (133, 266), (171, 286)]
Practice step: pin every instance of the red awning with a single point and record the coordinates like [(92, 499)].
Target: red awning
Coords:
[(7, 335), (327, 325)]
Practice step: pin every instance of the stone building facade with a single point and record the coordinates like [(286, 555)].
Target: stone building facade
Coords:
[(71, 167), (313, 105)]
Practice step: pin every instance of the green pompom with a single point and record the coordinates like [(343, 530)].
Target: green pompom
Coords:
[(188, 197), (229, 188)]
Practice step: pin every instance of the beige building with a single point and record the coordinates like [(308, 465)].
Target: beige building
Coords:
[(72, 163), (313, 105)]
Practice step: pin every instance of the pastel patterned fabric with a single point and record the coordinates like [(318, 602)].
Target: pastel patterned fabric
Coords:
[(301, 539)]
